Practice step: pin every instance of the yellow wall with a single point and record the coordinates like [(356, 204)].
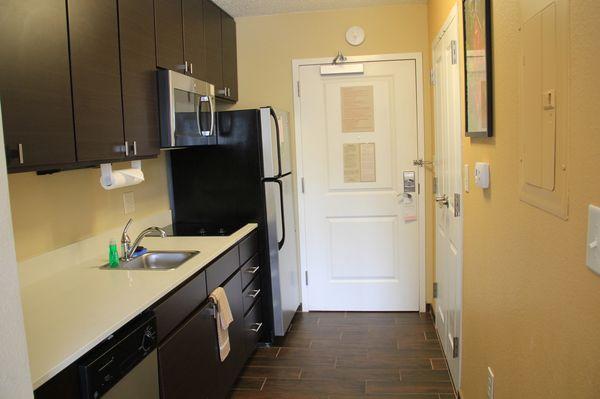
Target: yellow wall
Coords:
[(530, 306), (267, 45), (52, 211)]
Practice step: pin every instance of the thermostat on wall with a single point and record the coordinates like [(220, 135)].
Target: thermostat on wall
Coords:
[(355, 35)]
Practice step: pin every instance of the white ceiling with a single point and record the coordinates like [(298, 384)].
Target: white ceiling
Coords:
[(242, 8)]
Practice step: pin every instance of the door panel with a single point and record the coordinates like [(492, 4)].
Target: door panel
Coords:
[(359, 134), (35, 86), (448, 170), (169, 34), (193, 37), (214, 49), (96, 76), (138, 72)]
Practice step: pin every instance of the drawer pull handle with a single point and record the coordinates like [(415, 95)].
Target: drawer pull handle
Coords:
[(255, 294), (253, 270), (258, 327)]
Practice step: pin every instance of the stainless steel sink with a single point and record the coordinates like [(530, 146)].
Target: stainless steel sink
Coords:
[(156, 260)]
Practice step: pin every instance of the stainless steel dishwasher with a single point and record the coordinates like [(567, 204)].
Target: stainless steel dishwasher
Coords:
[(125, 365)]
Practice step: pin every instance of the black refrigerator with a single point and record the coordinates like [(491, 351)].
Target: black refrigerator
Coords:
[(246, 177)]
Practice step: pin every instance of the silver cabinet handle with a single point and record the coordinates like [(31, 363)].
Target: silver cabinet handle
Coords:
[(183, 67), (21, 157), (134, 147), (256, 292), (258, 327), (191, 69), (222, 92), (126, 148), (252, 270)]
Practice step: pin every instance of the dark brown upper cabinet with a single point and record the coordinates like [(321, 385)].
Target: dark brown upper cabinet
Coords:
[(214, 48), (35, 87), (169, 34), (138, 77), (193, 38), (229, 54), (96, 79), (180, 36)]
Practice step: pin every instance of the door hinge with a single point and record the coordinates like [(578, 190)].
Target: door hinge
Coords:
[(455, 347), (456, 205), (306, 277), (435, 290), (298, 87), (419, 188), (302, 184), (432, 76), (454, 48)]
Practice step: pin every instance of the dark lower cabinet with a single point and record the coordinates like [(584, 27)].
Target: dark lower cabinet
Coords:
[(188, 359), (138, 77), (96, 79), (35, 86), (253, 328), (231, 367)]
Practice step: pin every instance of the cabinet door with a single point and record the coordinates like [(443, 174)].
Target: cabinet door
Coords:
[(138, 75), (228, 35), (188, 359), (96, 79), (169, 34), (35, 87), (231, 367), (193, 37), (214, 50)]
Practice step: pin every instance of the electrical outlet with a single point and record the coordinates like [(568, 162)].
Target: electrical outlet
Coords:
[(593, 241), (490, 384), (128, 203)]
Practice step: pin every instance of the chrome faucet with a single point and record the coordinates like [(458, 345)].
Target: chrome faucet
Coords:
[(128, 248)]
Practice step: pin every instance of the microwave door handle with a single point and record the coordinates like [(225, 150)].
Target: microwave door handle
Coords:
[(212, 115), (198, 117), (277, 134)]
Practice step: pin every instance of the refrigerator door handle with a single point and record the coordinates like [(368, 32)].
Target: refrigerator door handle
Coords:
[(278, 138), (280, 243)]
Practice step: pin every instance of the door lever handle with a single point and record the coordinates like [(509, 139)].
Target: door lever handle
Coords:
[(442, 200)]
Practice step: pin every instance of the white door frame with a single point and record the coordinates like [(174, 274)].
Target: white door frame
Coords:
[(452, 15), (296, 64)]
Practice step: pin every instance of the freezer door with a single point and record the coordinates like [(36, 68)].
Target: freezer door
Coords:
[(275, 142), (285, 272)]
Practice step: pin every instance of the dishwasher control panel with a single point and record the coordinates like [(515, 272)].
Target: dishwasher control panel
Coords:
[(106, 364)]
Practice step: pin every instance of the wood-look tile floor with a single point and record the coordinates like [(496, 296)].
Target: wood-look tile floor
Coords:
[(349, 356)]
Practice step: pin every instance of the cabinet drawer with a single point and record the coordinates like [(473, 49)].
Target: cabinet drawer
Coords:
[(248, 247), (250, 270), (251, 294), (254, 327), (222, 269), (174, 309)]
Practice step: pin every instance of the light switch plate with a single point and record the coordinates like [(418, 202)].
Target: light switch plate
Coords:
[(593, 239), (128, 203), (482, 174)]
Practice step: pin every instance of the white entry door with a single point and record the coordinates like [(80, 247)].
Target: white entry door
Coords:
[(359, 136), (448, 136)]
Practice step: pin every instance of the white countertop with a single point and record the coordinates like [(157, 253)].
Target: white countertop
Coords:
[(70, 311)]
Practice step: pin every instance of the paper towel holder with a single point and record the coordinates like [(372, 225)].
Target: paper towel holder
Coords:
[(107, 174)]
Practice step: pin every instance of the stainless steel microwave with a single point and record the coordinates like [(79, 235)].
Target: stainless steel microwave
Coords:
[(187, 110)]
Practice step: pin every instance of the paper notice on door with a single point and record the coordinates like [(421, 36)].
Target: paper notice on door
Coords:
[(358, 110), (367, 162), (359, 163), (351, 163)]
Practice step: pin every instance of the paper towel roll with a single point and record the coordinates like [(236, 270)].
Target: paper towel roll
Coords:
[(110, 180)]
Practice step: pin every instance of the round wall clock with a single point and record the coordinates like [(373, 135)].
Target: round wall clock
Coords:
[(355, 35)]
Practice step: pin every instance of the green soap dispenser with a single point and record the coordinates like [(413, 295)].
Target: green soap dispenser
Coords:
[(113, 254)]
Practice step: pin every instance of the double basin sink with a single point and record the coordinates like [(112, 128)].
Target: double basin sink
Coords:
[(155, 260)]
